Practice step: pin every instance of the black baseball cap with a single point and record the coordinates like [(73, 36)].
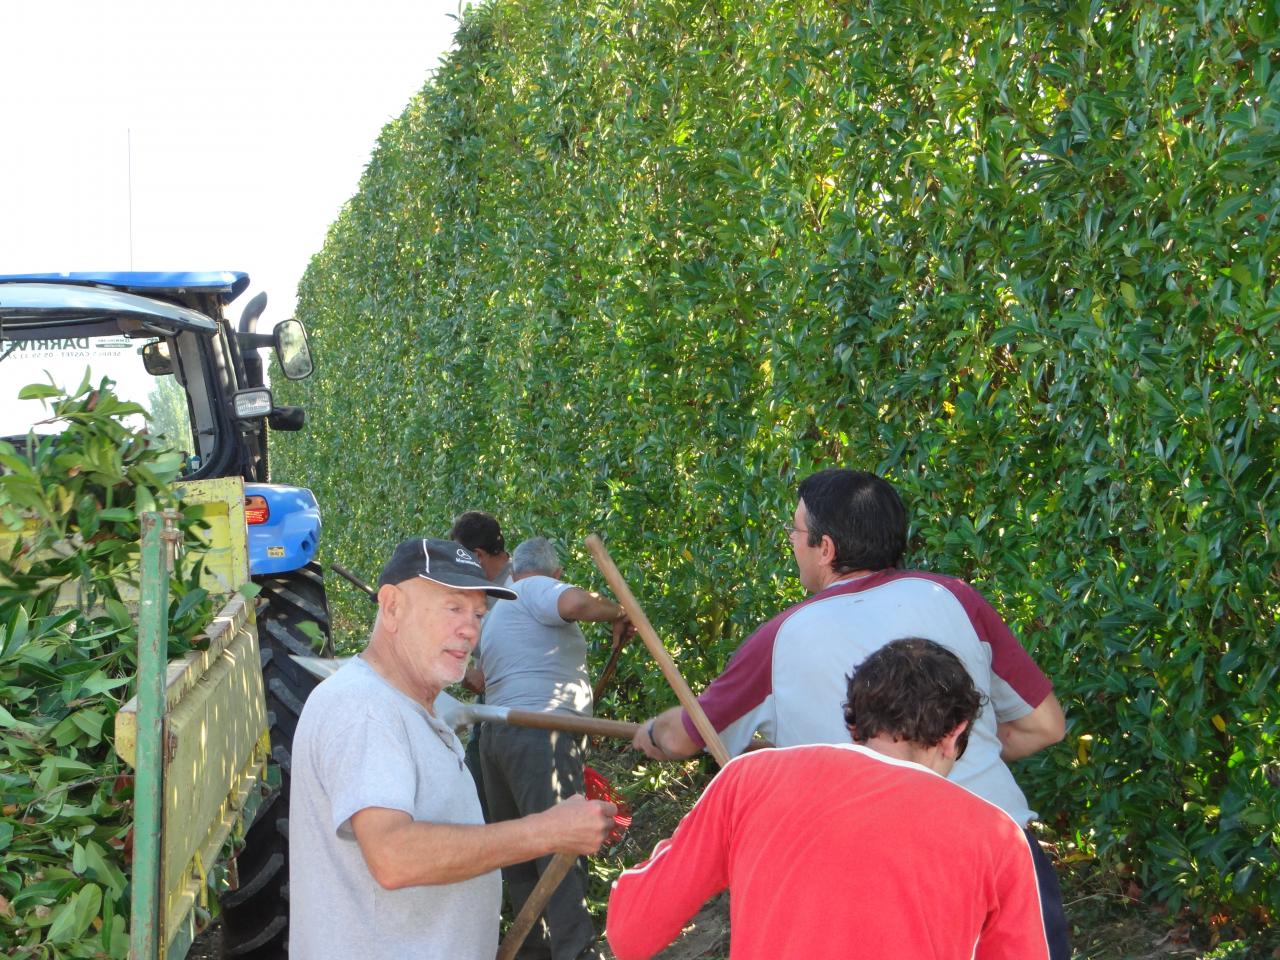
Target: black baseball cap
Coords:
[(443, 562)]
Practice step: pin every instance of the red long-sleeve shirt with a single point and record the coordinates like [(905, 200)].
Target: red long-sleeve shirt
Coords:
[(835, 852)]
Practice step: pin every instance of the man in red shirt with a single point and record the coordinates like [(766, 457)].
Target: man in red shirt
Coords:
[(851, 849)]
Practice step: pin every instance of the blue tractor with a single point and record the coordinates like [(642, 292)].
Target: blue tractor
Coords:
[(166, 342)]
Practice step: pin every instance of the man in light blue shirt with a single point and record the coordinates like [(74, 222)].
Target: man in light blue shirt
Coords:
[(533, 656)]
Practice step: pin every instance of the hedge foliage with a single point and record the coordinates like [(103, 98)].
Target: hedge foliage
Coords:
[(66, 799), (638, 266)]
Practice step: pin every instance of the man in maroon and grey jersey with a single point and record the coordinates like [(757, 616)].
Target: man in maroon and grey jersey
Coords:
[(785, 681)]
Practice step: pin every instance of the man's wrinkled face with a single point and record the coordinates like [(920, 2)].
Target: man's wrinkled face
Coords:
[(808, 559), (437, 627)]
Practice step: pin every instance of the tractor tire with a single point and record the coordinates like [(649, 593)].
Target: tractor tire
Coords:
[(255, 916)]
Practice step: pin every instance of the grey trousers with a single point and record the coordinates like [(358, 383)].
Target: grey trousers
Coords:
[(526, 771)]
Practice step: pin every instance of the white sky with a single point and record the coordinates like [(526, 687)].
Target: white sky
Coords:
[(250, 121)]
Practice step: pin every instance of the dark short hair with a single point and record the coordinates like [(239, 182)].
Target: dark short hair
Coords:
[(861, 513), (477, 530), (914, 690)]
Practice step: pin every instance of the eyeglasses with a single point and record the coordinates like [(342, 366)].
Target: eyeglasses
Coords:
[(791, 528)]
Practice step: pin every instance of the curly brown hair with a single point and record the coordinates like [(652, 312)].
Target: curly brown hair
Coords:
[(911, 689), (477, 530)]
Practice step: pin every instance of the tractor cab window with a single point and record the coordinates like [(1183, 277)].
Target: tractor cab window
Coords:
[(66, 362)]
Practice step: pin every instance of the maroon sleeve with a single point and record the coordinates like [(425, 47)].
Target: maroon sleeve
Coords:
[(745, 683), (1009, 661)]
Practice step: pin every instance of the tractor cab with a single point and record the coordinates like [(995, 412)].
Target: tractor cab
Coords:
[(164, 341)]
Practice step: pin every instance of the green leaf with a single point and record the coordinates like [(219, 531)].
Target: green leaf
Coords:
[(101, 683), (38, 391), (189, 601), (145, 501), (118, 611), (91, 722), (9, 722), (15, 632), (72, 919), (78, 859), (105, 873), (66, 732)]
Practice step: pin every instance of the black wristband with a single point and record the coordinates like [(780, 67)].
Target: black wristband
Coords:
[(653, 739)]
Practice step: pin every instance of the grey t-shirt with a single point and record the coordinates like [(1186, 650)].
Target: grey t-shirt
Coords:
[(362, 743), (531, 657)]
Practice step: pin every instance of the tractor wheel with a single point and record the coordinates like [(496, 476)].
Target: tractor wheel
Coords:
[(255, 916)]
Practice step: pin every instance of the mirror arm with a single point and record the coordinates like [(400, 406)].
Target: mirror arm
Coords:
[(256, 340)]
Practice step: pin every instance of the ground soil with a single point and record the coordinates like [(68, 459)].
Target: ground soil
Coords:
[(707, 934), (208, 945)]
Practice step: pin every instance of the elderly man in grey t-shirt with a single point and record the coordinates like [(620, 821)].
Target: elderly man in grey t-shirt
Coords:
[(533, 657), (389, 856)]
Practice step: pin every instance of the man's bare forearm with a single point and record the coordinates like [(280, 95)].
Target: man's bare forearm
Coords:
[(436, 853), (665, 738), (402, 852), (576, 604), (1042, 727), (473, 679)]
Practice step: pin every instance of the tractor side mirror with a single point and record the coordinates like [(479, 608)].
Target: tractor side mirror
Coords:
[(287, 418), (155, 358), (292, 349)]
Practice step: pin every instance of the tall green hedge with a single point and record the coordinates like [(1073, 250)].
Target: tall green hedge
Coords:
[(638, 266)]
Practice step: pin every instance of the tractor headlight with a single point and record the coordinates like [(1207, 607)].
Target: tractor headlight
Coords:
[(253, 404)]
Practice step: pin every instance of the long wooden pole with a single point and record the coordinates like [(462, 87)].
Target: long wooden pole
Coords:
[(651, 640), (551, 878), (591, 726)]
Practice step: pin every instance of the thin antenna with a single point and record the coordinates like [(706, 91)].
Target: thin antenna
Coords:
[(129, 133)]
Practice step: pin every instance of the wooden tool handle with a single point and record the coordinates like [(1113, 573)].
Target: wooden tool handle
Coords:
[(592, 726), (652, 641), (607, 673), (556, 871)]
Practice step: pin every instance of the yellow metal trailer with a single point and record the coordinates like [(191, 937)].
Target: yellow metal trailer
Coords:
[(214, 746)]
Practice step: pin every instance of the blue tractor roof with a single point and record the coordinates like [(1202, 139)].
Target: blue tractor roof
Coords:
[(229, 284)]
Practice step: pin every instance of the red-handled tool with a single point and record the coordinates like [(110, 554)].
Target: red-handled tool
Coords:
[(598, 788)]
